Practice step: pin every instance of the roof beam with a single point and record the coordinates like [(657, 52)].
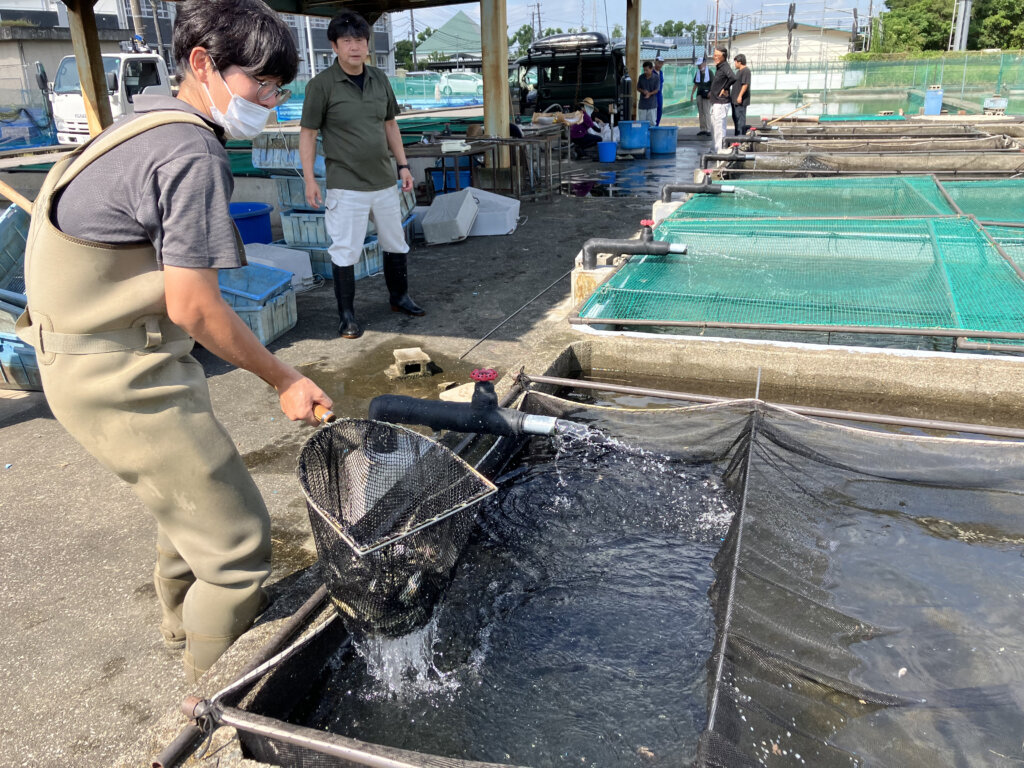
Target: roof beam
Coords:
[(89, 58)]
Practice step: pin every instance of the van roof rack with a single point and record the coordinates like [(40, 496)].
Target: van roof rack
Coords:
[(574, 41)]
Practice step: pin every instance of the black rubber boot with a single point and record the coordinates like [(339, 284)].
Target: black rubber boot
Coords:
[(396, 275), (345, 293)]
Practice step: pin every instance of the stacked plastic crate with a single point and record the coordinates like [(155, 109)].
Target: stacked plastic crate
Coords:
[(19, 368), (303, 225)]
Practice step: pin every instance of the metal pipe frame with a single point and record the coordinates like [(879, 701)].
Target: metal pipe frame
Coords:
[(826, 413)]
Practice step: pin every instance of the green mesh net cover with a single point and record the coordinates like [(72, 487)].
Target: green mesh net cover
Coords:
[(883, 196), (940, 275), (995, 200)]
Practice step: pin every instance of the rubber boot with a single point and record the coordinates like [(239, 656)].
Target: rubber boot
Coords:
[(345, 294), (396, 275), (171, 594), (201, 651)]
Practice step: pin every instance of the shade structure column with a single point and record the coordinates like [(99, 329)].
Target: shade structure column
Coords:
[(632, 51), (86, 44), (494, 52)]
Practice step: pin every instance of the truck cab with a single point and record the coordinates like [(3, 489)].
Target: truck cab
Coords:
[(127, 75), (562, 70)]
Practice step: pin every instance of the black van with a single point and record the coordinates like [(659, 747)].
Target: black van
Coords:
[(562, 70)]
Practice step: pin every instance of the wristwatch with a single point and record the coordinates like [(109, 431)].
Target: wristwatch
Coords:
[(403, 166)]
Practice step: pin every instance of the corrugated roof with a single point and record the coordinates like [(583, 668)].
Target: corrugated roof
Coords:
[(460, 34)]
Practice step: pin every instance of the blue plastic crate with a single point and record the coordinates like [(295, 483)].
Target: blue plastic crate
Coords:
[(253, 284), (13, 232), (19, 368)]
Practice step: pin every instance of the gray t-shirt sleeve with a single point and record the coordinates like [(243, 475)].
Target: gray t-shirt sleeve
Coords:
[(190, 223)]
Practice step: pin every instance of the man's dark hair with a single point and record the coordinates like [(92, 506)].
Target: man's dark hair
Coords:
[(648, 64), (740, 58), (723, 51), (348, 24), (243, 33)]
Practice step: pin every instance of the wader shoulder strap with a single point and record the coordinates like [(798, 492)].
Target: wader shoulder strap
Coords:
[(102, 144)]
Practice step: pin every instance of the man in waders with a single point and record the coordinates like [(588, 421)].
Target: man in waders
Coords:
[(353, 106), (126, 239)]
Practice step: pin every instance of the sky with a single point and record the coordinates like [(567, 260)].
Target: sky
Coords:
[(569, 13)]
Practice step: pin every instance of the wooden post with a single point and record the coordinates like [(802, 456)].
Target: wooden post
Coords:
[(494, 53), (86, 44), (632, 52)]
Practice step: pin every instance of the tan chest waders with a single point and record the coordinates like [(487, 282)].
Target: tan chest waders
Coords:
[(119, 376)]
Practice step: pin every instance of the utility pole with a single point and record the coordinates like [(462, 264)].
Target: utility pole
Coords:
[(716, 23), (137, 19), (153, 4), (412, 27), (309, 48)]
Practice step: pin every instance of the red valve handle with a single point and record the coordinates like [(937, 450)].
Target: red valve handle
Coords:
[(646, 222), (483, 374)]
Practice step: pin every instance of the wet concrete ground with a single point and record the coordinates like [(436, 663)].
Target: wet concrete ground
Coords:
[(84, 671)]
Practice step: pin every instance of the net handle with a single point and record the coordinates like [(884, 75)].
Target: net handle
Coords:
[(323, 414)]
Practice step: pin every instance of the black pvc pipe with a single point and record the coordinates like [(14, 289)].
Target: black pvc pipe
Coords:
[(724, 156), (641, 247), (437, 414), (704, 188)]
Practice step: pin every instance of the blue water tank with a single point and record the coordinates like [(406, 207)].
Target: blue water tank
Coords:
[(933, 100)]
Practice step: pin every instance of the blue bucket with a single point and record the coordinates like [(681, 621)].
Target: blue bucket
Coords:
[(663, 139), (606, 151), (253, 221), (634, 134)]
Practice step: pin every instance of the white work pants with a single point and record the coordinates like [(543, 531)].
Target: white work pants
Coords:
[(719, 117), (348, 213)]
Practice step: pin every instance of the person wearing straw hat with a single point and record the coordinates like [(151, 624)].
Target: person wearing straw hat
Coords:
[(585, 133), (121, 268)]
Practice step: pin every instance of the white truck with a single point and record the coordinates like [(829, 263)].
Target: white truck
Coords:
[(127, 75)]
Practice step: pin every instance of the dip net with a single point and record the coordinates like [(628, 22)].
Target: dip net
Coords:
[(390, 512)]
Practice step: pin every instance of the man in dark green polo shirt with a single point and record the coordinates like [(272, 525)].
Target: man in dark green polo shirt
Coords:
[(352, 105)]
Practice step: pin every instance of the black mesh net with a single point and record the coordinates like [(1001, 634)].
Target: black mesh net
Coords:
[(390, 511), (867, 594)]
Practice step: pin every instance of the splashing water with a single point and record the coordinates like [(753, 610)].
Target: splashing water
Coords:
[(741, 192), (404, 667)]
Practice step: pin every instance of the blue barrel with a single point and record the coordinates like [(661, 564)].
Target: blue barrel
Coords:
[(253, 221), (933, 101), (663, 139), (634, 134), (606, 151)]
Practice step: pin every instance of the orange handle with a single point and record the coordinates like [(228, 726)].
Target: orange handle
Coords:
[(323, 414)]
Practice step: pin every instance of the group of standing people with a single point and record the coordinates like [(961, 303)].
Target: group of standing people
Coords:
[(720, 93), (128, 234)]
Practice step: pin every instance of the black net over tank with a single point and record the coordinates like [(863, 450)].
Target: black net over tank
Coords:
[(390, 511), (868, 596)]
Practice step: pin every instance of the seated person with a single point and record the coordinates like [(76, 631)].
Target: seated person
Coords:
[(587, 132)]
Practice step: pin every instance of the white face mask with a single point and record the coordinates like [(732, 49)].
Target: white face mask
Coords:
[(243, 120), (589, 110)]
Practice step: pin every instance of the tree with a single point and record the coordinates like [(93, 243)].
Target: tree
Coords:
[(552, 31), (617, 31), (519, 43), (916, 25), (424, 35), (645, 28), (673, 28), (997, 24), (403, 54)]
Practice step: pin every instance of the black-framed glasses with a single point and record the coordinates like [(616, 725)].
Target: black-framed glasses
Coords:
[(266, 90)]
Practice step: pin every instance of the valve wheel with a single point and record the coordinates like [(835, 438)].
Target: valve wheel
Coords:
[(484, 374)]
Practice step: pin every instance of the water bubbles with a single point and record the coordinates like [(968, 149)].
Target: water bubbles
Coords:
[(403, 667)]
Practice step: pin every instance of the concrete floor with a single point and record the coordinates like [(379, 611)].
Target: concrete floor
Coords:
[(86, 677)]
